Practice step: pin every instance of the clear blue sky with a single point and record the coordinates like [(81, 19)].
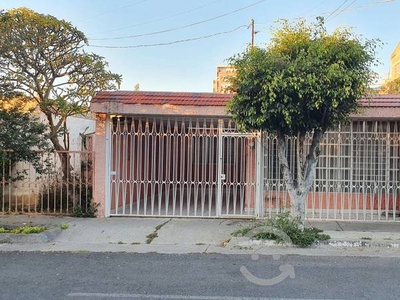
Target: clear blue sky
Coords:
[(191, 65)]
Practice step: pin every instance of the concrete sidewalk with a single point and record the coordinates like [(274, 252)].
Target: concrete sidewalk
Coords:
[(164, 235)]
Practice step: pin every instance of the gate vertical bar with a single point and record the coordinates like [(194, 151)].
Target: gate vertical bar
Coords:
[(219, 182)]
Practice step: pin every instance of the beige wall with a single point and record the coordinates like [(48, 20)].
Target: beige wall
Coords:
[(395, 63), (221, 84)]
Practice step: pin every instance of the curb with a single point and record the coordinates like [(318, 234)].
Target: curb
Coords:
[(334, 243), (361, 244), (32, 238)]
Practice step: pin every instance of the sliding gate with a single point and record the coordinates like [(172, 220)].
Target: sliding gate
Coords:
[(182, 168)]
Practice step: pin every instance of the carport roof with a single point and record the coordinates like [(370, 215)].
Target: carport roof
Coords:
[(381, 101), (162, 98)]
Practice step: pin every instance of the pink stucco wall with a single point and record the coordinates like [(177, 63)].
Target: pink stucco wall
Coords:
[(99, 147)]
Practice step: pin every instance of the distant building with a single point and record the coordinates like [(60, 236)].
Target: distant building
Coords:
[(395, 63), (221, 83)]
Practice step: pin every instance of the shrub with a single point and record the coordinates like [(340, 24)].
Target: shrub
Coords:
[(288, 225)]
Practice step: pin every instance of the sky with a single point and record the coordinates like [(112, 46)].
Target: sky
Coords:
[(176, 45)]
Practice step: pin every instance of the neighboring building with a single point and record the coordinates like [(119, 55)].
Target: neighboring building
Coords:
[(395, 63), (221, 83), (34, 192), (180, 155)]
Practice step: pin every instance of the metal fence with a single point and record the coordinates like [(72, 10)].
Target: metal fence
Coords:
[(357, 176), (196, 167), (57, 183)]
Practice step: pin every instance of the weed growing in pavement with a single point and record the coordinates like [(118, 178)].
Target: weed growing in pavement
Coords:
[(24, 230), (150, 237), (64, 226)]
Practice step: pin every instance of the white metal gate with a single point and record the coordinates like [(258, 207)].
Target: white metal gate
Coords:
[(238, 174), (181, 167)]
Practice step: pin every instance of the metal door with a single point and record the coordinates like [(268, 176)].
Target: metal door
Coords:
[(238, 175)]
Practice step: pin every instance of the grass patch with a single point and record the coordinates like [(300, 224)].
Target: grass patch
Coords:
[(24, 229), (64, 226)]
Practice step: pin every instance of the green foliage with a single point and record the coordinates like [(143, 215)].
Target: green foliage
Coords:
[(78, 199), (244, 231), (64, 226), (85, 210), (24, 230), (22, 136), (291, 226), (150, 237), (20, 132), (305, 80)]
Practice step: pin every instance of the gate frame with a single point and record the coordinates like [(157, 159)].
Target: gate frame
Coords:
[(258, 178)]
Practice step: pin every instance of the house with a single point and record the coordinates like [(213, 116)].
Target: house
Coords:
[(395, 63), (221, 83), (46, 192), (180, 155)]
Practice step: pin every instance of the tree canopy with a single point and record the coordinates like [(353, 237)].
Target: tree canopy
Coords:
[(22, 135), (44, 58), (306, 81)]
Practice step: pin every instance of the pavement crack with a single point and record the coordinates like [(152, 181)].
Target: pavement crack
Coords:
[(338, 224), (205, 251), (150, 237)]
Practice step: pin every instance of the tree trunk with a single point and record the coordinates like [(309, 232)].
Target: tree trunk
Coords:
[(62, 152), (299, 187)]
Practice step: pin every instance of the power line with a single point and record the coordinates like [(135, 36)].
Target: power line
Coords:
[(170, 43), (160, 19), (181, 27), (344, 2), (344, 9), (311, 9), (341, 11), (349, 9)]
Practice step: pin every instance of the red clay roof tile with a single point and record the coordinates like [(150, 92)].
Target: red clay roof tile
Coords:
[(161, 98), (208, 99), (381, 101)]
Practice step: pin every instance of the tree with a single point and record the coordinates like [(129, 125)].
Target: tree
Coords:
[(390, 87), (305, 81), (22, 136), (44, 58)]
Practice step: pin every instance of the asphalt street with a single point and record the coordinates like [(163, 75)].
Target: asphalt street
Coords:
[(86, 276)]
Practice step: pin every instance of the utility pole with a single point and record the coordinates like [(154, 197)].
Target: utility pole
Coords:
[(252, 32)]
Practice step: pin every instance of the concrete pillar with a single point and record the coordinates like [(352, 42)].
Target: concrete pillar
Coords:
[(100, 146)]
